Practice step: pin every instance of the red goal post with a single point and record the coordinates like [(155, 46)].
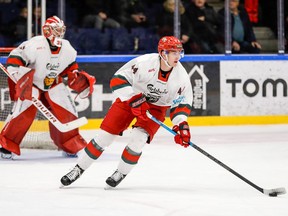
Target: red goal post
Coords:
[(5, 50)]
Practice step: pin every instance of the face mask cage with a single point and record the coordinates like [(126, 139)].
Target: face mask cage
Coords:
[(57, 30)]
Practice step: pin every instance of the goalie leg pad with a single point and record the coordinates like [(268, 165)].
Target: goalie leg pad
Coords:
[(59, 99), (70, 142), (64, 109), (17, 125), (73, 145), (9, 145)]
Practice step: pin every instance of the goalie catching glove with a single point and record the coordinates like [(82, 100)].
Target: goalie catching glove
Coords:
[(139, 106), (81, 82), (183, 134)]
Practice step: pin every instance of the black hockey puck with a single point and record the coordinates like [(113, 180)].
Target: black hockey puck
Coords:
[(273, 194)]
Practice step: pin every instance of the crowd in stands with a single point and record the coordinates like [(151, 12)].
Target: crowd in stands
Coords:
[(135, 26)]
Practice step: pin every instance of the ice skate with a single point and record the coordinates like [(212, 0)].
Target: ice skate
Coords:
[(71, 176), (114, 179), (5, 154)]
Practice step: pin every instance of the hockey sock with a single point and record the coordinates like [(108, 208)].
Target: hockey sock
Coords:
[(91, 153), (128, 160)]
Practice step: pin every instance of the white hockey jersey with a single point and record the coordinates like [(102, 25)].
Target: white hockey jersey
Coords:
[(36, 54), (141, 75)]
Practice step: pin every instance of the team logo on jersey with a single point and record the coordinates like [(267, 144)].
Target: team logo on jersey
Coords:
[(50, 66), (155, 90), (154, 93), (49, 80)]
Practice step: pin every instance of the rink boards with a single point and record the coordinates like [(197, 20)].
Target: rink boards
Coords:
[(227, 89)]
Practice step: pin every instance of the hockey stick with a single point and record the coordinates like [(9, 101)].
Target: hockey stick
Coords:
[(63, 127), (269, 192)]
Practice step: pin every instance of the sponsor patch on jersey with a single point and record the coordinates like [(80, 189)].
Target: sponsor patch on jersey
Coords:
[(49, 80), (178, 100)]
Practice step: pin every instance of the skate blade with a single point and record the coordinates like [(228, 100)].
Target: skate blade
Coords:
[(108, 187), (61, 186), (6, 156)]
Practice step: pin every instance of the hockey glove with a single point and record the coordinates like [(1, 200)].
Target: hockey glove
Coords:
[(183, 134), (23, 87), (139, 106), (81, 82)]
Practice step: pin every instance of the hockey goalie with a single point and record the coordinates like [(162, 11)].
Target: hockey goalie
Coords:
[(38, 68)]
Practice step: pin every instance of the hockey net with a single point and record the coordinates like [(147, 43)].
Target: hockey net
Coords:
[(38, 135)]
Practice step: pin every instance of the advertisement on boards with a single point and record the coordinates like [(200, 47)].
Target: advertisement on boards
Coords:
[(253, 88), (205, 82)]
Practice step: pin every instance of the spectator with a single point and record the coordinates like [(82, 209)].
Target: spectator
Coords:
[(18, 28), (165, 21), (243, 37), (206, 23), (131, 13), (97, 15)]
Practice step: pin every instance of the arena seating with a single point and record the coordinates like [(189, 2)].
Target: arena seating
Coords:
[(88, 41)]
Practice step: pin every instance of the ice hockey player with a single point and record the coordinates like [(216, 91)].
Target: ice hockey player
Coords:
[(152, 82), (39, 66)]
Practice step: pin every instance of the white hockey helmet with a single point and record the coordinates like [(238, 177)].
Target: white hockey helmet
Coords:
[(54, 29)]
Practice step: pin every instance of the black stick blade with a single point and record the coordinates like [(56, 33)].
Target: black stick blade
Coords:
[(274, 192)]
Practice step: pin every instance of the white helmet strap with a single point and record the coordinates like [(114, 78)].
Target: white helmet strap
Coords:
[(165, 61)]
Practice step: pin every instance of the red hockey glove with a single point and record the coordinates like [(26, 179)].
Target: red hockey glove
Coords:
[(23, 87), (81, 82), (139, 106), (183, 134)]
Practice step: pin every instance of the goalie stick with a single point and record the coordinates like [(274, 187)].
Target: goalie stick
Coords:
[(63, 127), (270, 192)]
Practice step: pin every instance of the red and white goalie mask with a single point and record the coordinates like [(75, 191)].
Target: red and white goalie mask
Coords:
[(54, 29)]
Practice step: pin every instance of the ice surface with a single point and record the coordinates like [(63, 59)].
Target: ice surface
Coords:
[(168, 181)]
